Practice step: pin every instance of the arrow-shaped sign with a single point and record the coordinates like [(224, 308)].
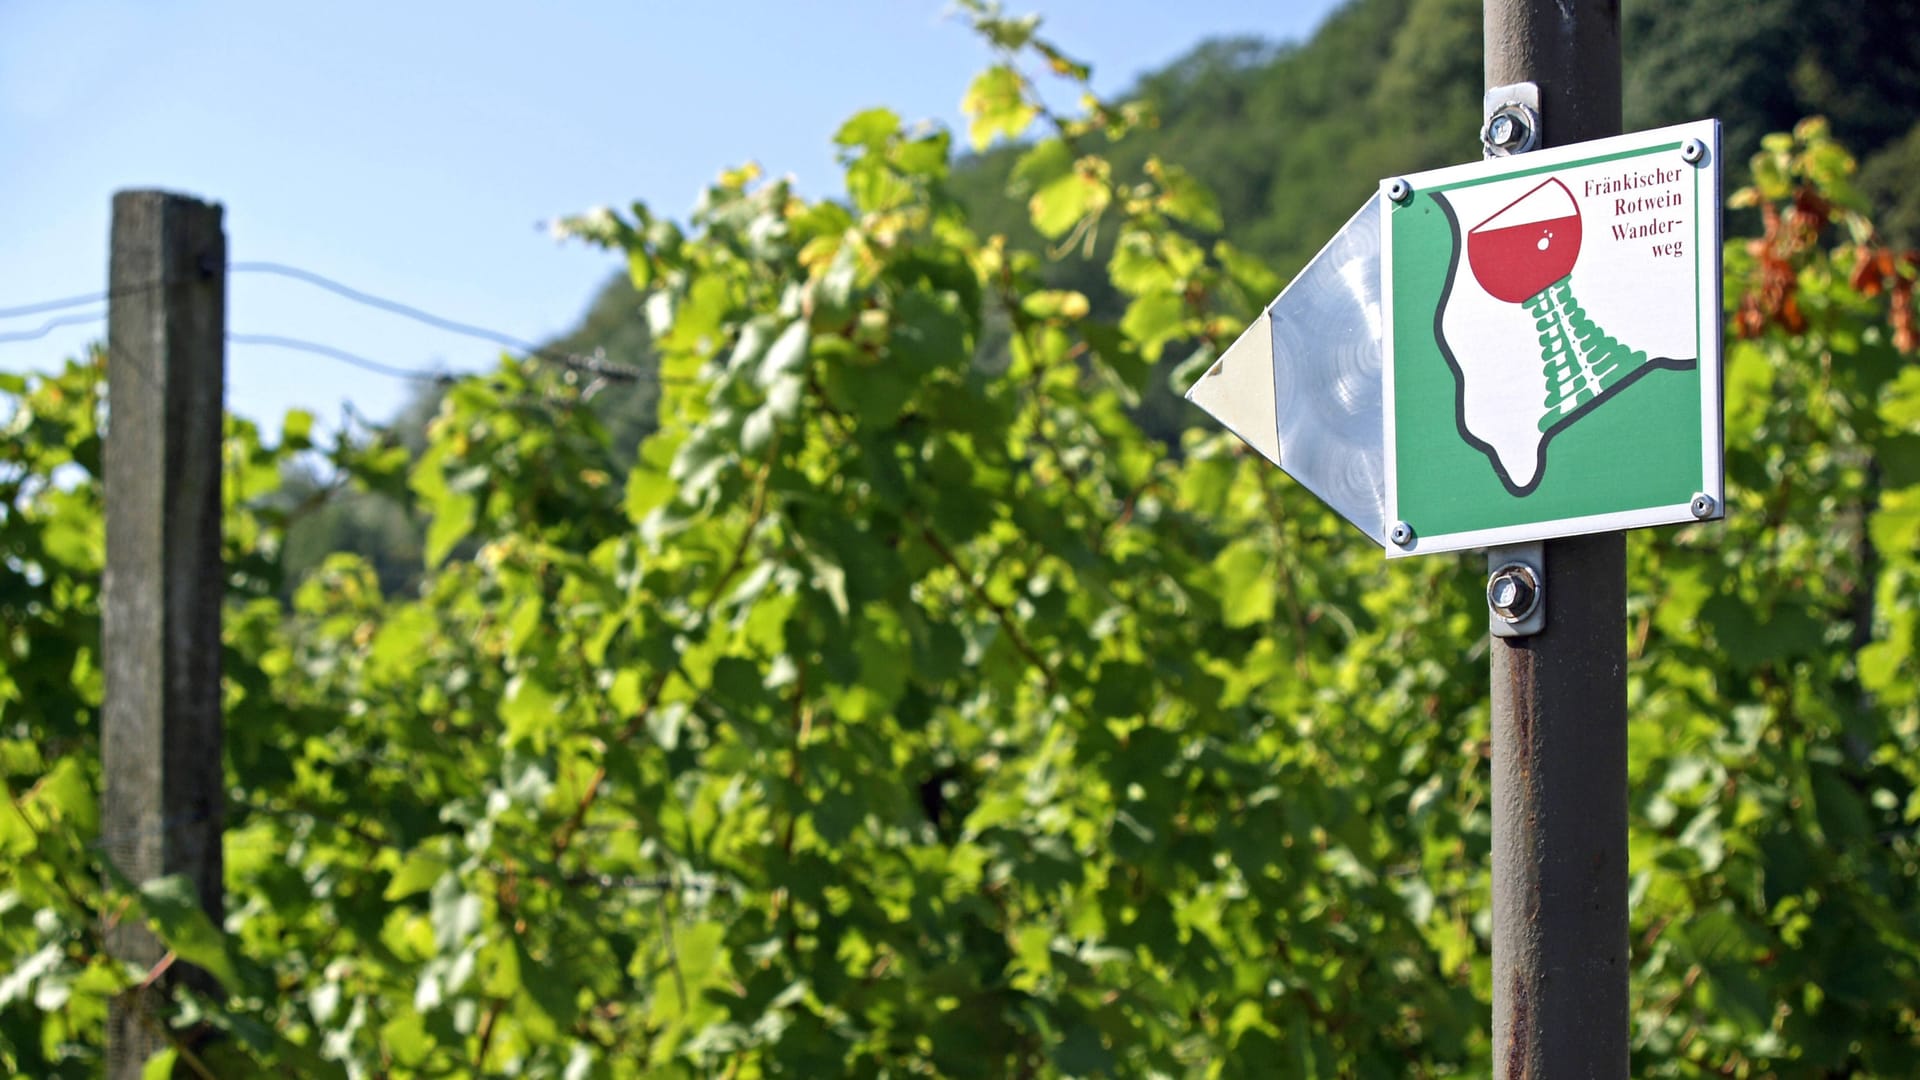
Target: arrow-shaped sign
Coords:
[(1302, 384), (1504, 351)]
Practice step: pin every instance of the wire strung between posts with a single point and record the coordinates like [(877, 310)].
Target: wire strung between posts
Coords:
[(279, 341), (588, 364), (82, 300), (119, 846), (596, 366), (53, 305), (51, 325)]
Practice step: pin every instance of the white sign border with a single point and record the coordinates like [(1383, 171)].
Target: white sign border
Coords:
[(1707, 235)]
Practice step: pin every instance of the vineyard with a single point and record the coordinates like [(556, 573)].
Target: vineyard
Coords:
[(903, 708)]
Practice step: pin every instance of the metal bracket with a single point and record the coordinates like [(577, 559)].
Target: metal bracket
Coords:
[(1512, 120), (1517, 573), (1517, 589)]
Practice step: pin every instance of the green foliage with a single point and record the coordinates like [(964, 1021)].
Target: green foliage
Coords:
[(1774, 683), (905, 708)]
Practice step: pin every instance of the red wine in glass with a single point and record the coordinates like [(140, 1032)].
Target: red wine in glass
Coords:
[(1524, 254), (1527, 245)]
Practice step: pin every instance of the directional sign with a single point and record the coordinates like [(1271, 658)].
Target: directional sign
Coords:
[(1553, 348), (1503, 351), (1302, 384)]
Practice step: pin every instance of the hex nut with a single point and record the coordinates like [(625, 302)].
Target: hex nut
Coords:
[(1702, 506), (1401, 534), (1513, 128), (1513, 592)]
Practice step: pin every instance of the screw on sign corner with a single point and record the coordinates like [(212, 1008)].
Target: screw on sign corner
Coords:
[(1401, 534)]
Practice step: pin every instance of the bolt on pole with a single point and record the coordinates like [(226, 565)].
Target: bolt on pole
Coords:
[(1560, 951)]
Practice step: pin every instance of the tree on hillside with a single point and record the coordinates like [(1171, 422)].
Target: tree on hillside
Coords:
[(1759, 65)]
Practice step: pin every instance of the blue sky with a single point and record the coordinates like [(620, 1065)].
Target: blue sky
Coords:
[(416, 150)]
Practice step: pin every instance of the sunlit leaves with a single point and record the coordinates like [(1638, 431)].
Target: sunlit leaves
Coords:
[(1246, 588), (870, 130), (1055, 304), (1182, 197), (1066, 192), (181, 924), (997, 106), (1153, 320)]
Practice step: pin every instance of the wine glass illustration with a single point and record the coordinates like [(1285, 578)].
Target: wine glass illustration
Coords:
[(1524, 254)]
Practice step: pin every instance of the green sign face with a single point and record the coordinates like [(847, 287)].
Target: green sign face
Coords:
[(1552, 342)]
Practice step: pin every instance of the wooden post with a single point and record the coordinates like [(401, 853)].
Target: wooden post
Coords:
[(1559, 806), (160, 727)]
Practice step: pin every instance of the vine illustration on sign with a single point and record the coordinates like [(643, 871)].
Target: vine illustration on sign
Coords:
[(1525, 256)]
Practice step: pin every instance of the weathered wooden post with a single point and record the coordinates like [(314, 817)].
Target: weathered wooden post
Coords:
[(164, 803)]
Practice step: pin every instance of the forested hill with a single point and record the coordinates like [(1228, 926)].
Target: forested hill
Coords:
[(1292, 137)]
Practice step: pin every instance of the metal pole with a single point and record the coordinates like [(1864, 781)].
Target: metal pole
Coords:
[(1560, 955), (160, 729)]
